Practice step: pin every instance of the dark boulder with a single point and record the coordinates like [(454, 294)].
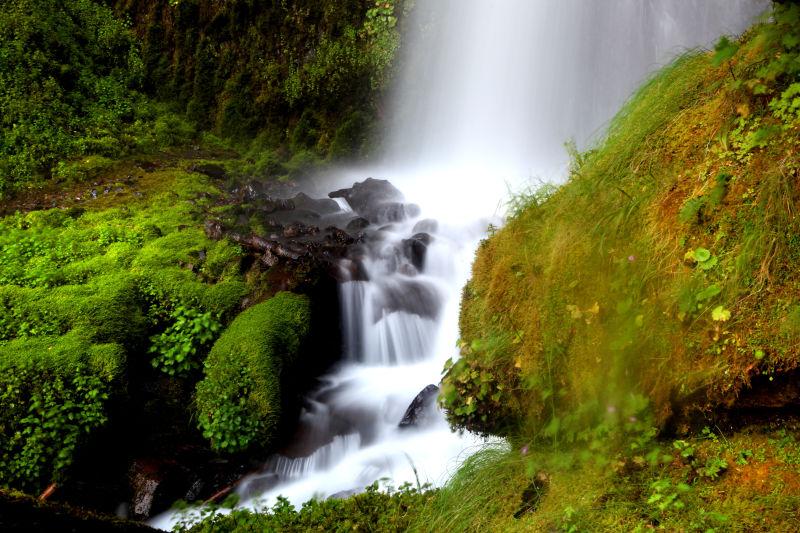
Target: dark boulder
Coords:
[(418, 413), (212, 171), (357, 224), (369, 193), (321, 206), (427, 225), (416, 248), (412, 296), (214, 229)]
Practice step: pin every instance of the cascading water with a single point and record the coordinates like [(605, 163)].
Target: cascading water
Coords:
[(489, 94)]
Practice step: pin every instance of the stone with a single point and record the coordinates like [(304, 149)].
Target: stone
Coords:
[(418, 413), (416, 248), (210, 170), (427, 225), (214, 229), (369, 193), (321, 206), (357, 224)]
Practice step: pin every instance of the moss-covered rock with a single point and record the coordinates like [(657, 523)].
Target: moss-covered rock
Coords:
[(53, 393), (239, 400)]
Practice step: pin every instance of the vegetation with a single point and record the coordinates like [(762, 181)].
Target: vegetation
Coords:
[(85, 83), (745, 481), (71, 74), (663, 268), (83, 290), (373, 510), (239, 400), (615, 316), (110, 289), (307, 73), (613, 331)]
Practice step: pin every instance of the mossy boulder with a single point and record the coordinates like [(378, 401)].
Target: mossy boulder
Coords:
[(239, 400), (53, 394)]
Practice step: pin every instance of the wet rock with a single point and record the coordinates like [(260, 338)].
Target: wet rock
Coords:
[(427, 225), (418, 413), (411, 296), (391, 212), (145, 479), (357, 224), (274, 205), (369, 193), (407, 270), (214, 229), (249, 192), (416, 248), (322, 206), (210, 170), (298, 229), (339, 236), (344, 494)]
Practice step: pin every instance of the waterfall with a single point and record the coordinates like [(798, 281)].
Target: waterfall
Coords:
[(489, 93), (492, 90)]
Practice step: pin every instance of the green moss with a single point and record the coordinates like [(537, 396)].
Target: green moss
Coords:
[(85, 290), (239, 400), (594, 291), (53, 391)]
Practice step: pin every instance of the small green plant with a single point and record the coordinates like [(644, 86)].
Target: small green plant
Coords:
[(713, 468), (177, 349), (666, 495)]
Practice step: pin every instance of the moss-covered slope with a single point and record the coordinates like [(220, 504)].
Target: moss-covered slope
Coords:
[(634, 332), (664, 269)]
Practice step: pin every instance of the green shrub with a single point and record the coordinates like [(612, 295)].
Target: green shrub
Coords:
[(53, 392), (67, 74), (238, 401), (177, 349)]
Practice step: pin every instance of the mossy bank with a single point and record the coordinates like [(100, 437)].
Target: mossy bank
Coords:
[(621, 322)]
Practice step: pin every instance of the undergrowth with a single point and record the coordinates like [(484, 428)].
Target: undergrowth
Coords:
[(87, 294)]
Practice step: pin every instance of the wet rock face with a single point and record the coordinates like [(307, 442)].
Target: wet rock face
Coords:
[(419, 413), (378, 201), (411, 296), (367, 194), (416, 248)]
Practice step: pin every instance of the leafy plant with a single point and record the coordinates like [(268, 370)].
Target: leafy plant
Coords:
[(666, 495), (177, 350), (48, 415)]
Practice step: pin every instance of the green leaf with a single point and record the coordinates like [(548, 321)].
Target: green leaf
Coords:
[(708, 293), (720, 314), (701, 255), (708, 265), (724, 50)]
